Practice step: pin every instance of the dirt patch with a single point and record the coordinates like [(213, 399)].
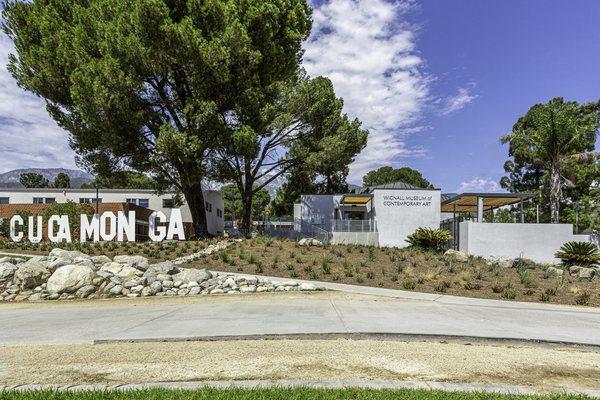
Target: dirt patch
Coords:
[(339, 359), (404, 269)]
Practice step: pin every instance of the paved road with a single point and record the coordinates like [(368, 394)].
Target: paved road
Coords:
[(274, 314)]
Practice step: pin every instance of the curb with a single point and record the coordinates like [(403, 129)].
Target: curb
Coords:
[(359, 336), (435, 298), (427, 385)]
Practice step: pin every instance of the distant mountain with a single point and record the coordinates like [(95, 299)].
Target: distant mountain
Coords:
[(10, 179)]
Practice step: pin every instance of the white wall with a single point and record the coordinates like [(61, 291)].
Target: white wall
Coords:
[(215, 223), (400, 212), (537, 242), (362, 238)]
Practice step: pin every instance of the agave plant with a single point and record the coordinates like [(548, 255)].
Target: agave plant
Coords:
[(429, 239), (584, 254)]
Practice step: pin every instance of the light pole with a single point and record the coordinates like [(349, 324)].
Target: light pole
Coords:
[(97, 199)]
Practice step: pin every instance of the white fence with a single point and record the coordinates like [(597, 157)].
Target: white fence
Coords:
[(349, 225)]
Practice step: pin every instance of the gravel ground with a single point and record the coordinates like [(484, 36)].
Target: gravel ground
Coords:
[(542, 367)]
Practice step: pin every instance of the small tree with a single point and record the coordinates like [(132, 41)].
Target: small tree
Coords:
[(548, 137), (32, 180), (62, 181)]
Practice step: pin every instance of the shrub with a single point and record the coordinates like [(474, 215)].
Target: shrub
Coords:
[(497, 288), (509, 294), (584, 254), (442, 287), (408, 285), (429, 239), (583, 299), (526, 279)]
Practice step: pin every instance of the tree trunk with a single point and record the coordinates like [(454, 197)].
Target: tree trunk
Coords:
[(195, 200), (555, 193), (247, 210)]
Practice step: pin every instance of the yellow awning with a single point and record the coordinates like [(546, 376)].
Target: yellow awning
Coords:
[(355, 200)]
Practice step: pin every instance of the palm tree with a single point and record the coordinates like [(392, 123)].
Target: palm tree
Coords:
[(551, 134)]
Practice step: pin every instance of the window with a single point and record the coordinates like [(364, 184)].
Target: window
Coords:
[(4, 200), (140, 202), (219, 213), (168, 203), (208, 207), (89, 200), (42, 200)]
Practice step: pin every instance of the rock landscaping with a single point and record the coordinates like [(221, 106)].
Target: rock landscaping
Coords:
[(67, 274)]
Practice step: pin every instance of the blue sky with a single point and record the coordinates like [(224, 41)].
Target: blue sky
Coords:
[(510, 54), (437, 82)]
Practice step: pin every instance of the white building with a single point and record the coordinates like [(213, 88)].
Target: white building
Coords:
[(382, 215), (386, 215), (141, 197)]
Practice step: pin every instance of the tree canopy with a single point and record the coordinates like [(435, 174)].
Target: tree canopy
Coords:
[(157, 86), (62, 181), (122, 180), (305, 128), (549, 144), (234, 208), (32, 180), (388, 174)]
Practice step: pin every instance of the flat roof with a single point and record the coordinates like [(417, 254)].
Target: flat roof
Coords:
[(467, 202)]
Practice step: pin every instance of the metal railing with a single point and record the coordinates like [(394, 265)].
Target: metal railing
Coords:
[(349, 225)]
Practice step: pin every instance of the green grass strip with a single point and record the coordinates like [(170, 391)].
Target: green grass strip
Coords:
[(274, 393)]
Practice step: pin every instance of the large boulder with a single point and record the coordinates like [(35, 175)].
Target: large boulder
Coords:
[(31, 274), (555, 271), (120, 270), (100, 260), (456, 255), (309, 242), (7, 270), (187, 275), (69, 278), (586, 273), (10, 260), (166, 268), (59, 262), (66, 254), (138, 262)]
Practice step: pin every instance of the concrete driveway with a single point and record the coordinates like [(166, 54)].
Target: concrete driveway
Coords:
[(293, 313)]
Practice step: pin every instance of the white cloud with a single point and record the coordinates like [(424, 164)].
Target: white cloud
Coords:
[(458, 101), (28, 136), (479, 185), (370, 55)]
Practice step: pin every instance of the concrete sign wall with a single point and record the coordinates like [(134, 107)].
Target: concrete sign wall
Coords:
[(400, 212), (537, 242)]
